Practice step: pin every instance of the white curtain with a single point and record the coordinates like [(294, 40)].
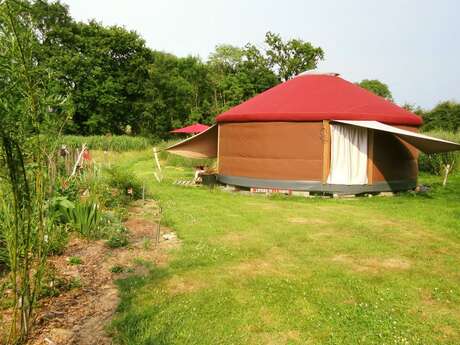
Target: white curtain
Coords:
[(348, 155)]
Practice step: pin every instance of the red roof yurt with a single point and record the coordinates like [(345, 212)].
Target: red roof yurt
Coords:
[(192, 129), (316, 133)]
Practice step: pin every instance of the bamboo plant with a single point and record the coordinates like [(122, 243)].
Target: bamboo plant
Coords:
[(25, 116)]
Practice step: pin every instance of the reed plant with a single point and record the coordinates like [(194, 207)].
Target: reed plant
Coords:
[(28, 124)]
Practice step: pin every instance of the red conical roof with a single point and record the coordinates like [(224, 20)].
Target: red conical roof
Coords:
[(318, 97), (196, 128)]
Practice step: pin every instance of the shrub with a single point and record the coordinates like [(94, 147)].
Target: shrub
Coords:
[(113, 230), (67, 188), (54, 284), (117, 241), (117, 236), (123, 180), (434, 163)]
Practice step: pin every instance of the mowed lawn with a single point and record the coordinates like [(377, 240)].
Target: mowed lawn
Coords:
[(285, 270)]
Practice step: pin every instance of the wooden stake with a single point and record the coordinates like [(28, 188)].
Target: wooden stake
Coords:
[(74, 170), (447, 170), (158, 229), (155, 153)]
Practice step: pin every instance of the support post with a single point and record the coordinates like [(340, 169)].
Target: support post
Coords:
[(159, 175), (326, 139), (370, 156), (218, 147)]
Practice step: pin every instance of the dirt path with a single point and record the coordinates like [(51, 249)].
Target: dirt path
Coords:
[(81, 315)]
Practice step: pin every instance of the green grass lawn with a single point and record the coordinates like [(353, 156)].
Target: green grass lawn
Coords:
[(286, 270)]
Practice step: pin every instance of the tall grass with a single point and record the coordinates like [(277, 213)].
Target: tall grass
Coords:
[(434, 163), (117, 143)]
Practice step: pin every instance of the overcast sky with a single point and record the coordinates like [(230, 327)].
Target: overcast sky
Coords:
[(412, 45)]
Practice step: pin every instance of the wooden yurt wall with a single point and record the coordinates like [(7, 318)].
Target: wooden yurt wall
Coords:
[(392, 158), (271, 150)]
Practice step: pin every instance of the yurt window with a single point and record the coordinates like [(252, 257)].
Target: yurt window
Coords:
[(348, 155)]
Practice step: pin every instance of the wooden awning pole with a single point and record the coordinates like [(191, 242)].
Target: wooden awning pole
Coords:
[(326, 139), (158, 176)]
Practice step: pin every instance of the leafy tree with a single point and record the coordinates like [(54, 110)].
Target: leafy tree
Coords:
[(414, 109), (181, 91), (290, 58), (104, 69), (377, 87), (110, 80), (177, 93), (445, 115), (115, 81), (236, 75), (226, 58)]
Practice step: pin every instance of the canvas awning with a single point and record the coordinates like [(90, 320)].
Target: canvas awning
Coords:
[(202, 145), (422, 142)]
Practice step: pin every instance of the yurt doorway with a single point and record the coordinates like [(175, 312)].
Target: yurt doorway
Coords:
[(348, 155)]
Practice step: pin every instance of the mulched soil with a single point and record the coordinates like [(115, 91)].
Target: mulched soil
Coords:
[(81, 315)]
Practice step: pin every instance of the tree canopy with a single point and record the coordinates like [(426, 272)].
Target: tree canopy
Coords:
[(114, 81), (377, 87), (445, 115), (292, 57)]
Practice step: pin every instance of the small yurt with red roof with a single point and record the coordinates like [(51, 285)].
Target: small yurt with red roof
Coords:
[(192, 129), (317, 133)]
